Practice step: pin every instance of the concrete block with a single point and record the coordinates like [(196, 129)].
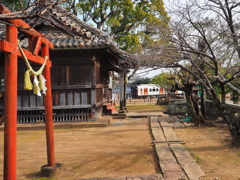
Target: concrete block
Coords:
[(50, 171)]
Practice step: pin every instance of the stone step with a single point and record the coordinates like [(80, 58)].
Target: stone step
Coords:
[(168, 131), (172, 175), (108, 109), (184, 158), (182, 155), (174, 160)]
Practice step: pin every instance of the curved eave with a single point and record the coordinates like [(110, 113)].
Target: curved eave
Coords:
[(129, 60)]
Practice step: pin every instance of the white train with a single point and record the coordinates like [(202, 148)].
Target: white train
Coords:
[(149, 90)]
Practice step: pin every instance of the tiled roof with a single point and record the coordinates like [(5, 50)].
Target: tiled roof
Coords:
[(83, 34), (76, 33), (71, 32), (61, 40)]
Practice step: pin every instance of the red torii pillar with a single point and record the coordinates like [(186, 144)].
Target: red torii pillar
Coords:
[(50, 169), (10, 107), (48, 111), (10, 96)]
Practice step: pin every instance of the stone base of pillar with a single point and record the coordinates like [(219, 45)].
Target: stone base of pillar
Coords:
[(50, 171), (125, 109), (121, 114)]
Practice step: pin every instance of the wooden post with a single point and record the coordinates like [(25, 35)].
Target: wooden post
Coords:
[(124, 91), (93, 90), (121, 93), (48, 112), (10, 107)]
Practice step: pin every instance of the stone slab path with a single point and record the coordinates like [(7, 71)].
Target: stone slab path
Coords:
[(140, 177), (174, 160)]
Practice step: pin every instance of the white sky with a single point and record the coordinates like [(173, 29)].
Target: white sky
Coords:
[(148, 73)]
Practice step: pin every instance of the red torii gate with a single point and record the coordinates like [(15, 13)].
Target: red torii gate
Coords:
[(36, 43)]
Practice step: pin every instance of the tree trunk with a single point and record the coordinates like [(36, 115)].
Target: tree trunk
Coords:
[(192, 111), (232, 127), (235, 137), (203, 105), (223, 93)]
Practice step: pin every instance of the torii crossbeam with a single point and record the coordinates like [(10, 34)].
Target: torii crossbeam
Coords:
[(36, 43)]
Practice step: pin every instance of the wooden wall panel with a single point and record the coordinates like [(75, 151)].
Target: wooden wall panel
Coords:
[(77, 98), (70, 98), (40, 101), (62, 98), (21, 72), (72, 75), (74, 79), (56, 100), (84, 97), (25, 100), (58, 76), (98, 75), (32, 100), (19, 101)]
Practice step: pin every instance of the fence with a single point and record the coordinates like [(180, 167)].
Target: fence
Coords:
[(59, 115)]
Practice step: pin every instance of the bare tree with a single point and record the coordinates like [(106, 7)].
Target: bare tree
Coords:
[(30, 9), (203, 43)]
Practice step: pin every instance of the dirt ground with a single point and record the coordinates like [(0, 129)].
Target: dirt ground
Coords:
[(210, 147), (123, 149)]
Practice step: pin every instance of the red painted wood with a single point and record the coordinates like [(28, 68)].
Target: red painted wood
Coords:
[(6, 46), (26, 29), (10, 103), (37, 46), (48, 112), (10, 107), (35, 59)]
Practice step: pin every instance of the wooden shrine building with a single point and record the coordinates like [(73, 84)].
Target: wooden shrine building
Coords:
[(83, 61)]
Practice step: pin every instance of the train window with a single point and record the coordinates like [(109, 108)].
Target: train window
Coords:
[(150, 90), (156, 89), (153, 90)]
